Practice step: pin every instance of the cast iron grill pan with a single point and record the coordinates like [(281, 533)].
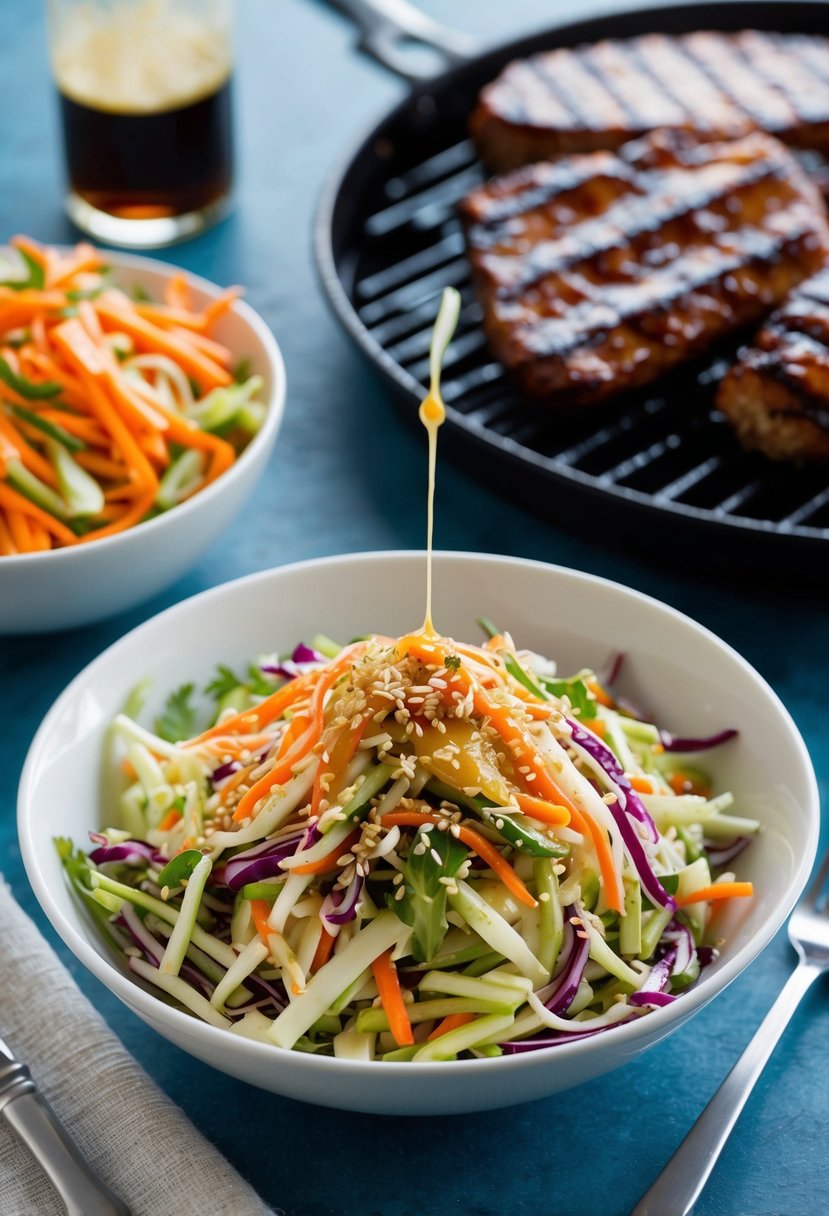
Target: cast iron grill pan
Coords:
[(657, 469)]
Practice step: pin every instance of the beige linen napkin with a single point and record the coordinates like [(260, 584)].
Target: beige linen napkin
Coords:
[(140, 1143)]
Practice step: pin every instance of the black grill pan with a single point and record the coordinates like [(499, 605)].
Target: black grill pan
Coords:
[(661, 468)]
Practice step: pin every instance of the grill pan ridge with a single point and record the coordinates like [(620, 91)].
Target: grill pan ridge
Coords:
[(661, 466)]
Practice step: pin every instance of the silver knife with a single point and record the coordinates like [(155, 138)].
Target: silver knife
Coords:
[(30, 1116)]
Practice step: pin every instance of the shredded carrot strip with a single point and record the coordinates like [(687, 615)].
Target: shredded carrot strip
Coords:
[(297, 726), (170, 820), (260, 715), (524, 755), (603, 698), (544, 812), (130, 436), (452, 1021), (260, 910), (323, 951), (323, 864), (478, 843), (597, 725), (391, 998), (717, 890), (642, 785)]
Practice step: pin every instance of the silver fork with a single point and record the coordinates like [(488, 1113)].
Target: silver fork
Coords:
[(680, 1184)]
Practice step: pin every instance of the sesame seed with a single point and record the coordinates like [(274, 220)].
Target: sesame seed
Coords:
[(544, 897), (436, 857)]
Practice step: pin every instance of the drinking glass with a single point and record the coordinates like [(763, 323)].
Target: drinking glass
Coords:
[(145, 100)]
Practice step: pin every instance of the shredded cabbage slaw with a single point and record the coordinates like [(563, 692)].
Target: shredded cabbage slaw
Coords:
[(411, 849)]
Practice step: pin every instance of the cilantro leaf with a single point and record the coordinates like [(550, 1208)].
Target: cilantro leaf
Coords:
[(453, 662), (178, 719), (576, 691), (424, 904), (34, 279), (225, 681), (259, 683)]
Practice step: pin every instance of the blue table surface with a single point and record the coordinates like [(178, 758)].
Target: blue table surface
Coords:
[(303, 96)]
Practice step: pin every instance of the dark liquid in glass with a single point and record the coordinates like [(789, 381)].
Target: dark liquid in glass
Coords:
[(144, 166)]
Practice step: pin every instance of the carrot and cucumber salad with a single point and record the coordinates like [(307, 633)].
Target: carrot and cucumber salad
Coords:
[(411, 850), (113, 408)]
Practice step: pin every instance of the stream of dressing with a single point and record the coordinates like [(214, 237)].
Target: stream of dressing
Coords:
[(432, 415)]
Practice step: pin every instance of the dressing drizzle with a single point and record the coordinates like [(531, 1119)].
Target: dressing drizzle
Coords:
[(433, 414)]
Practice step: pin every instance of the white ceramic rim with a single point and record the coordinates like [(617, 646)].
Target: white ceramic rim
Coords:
[(152, 1008), (273, 417)]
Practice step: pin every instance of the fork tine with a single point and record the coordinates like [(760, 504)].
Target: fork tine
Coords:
[(817, 886)]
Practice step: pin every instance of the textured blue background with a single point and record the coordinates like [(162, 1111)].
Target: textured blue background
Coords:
[(332, 486)]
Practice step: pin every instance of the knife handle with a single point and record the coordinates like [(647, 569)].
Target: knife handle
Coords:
[(30, 1116)]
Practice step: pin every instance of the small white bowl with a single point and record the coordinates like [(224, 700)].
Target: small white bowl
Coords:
[(693, 683), (62, 588)]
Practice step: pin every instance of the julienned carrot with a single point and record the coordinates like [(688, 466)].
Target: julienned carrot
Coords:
[(12, 501), (149, 337), (717, 890), (170, 820), (323, 951), (62, 379), (524, 753), (544, 812), (260, 715), (391, 998), (282, 771), (478, 843), (260, 910), (452, 1021), (323, 864)]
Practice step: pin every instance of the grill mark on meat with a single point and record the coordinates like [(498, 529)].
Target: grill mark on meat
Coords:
[(706, 106), (718, 58), (598, 96), (777, 394), (644, 101), (549, 182), (628, 303), (668, 199), (813, 54), (600, 288), (807, 93), (527, 98), (586, 97)]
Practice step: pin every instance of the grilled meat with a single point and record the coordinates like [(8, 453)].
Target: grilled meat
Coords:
[(777, 394), (602, 95), (599, 272)]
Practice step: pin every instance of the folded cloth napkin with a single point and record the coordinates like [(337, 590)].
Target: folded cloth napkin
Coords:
[(134, 1138)]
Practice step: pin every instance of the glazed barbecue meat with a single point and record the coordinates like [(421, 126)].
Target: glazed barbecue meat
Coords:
[(598, 273), (777, 394), (602, 95)]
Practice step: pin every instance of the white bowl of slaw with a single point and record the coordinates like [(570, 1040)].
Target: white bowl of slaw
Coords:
[(693, 682), (64, 588)]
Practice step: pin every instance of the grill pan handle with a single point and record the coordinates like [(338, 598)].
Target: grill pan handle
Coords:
[(394, 33)]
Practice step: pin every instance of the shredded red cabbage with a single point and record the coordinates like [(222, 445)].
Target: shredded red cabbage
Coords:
[(262, 861), (676, 743), (559, 996), (601, 753), (224, 771), (722, 854), (339, 907), (130, 852), (620, 810), (302, 660)]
